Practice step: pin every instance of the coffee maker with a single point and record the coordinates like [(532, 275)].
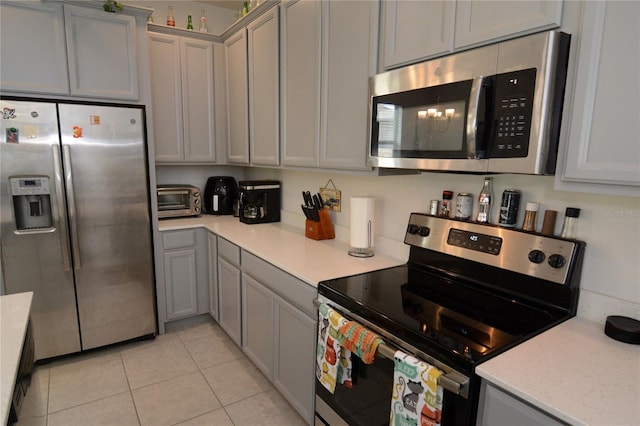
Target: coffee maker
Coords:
[(259, 201), (220, 194)]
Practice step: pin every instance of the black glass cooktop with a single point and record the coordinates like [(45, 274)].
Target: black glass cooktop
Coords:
[(447, 319)]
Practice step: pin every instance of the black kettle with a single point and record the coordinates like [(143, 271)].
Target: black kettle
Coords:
[(220, 194)]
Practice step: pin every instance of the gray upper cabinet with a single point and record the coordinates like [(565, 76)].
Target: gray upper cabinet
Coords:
[(182, 86), (198, 108), (327, 53), (603, 153), (415, 30), (300, 58), (71, 50), (37, 28), (479, 22), (264, 89), (237, 98), (350, 34), (102, 53)]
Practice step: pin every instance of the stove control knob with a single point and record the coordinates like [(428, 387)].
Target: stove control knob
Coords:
[(536, 256), (557, 261), (412, 228), (424, 231)]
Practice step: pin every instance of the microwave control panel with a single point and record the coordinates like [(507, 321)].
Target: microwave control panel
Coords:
[(512, 115)]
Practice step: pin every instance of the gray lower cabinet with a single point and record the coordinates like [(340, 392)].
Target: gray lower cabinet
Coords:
[(257, 324), (278, 323), (229, 290), (294, 340), (212, 245), (497, 408), (185, 273)]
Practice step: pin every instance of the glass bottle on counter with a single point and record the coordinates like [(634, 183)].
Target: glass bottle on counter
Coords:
[(570, 224), (189, 23), (171, 22), (484, 201)]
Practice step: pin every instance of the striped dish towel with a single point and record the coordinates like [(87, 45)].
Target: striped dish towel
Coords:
[(360, 341)]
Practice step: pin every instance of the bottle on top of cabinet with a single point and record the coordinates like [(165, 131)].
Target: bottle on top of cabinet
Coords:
[(171, 22), (203, 22)]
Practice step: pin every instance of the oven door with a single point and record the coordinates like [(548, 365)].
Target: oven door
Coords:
[(368, 401)]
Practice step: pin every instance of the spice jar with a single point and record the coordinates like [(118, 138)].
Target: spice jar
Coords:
[(549, 222), (530, 216), (446, 203), (570, 224)]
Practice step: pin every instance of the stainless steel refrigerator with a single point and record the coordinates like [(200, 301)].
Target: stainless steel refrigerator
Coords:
[(75, 222)]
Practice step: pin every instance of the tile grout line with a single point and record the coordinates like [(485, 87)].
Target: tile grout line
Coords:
[(124, 368)]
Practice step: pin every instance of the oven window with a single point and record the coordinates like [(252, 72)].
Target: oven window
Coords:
[(178, 200), (368, 402), (422, 123)]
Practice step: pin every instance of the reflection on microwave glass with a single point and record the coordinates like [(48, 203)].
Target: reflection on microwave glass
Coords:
[(438, 127)]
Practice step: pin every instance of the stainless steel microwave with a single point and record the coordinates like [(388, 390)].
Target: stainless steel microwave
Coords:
[(495, 109), (178, 201)]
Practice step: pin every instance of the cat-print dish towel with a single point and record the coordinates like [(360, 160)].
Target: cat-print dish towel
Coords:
[(416, 399), (333, 362)]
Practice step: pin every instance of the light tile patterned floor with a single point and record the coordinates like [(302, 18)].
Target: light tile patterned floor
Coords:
[(192, 375)]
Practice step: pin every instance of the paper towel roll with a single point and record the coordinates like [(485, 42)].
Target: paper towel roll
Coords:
[(362, 221)]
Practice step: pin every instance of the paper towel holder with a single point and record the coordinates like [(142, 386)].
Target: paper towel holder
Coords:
[(362, 224), (363, 251)]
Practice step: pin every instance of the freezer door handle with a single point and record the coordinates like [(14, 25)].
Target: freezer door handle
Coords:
[(62, 221), (68, 178)]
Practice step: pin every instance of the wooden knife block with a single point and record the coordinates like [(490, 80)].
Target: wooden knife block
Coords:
[(322, 230)]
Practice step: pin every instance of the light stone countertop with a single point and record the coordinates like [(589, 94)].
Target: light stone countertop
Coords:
[(286, 247), (14, 318), (574, 372)]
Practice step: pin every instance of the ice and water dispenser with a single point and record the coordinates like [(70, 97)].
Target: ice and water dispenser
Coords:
[(31, 203)]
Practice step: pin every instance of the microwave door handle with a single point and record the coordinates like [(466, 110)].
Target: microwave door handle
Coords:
[(472, 117)]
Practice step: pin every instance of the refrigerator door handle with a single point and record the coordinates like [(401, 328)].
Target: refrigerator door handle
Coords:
[(68, 177), (64, 232)]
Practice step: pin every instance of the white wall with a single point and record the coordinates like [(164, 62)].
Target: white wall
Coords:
[(218, 18), (610, 225), (195, 175)]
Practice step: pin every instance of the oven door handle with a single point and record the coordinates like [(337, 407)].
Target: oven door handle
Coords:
[(451, 381)]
